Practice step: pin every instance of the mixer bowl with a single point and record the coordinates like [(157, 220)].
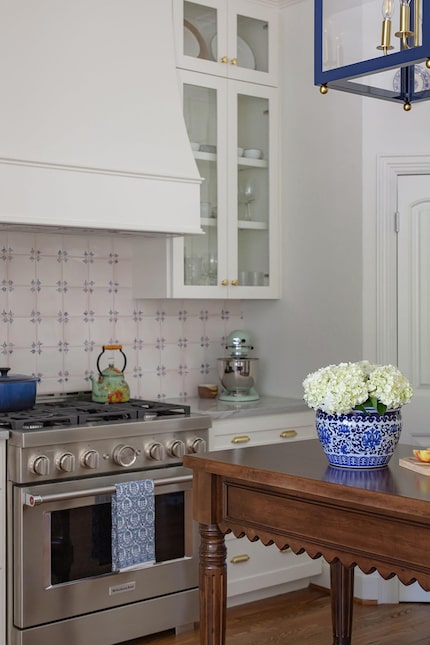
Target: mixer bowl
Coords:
[(237, 375)]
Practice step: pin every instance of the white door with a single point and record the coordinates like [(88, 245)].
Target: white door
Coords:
[(413, 204), (413, 195)]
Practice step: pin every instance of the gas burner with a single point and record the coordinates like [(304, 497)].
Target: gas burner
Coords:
[(54, 412)]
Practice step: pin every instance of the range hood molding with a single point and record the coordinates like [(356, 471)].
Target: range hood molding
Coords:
[(92, 134)]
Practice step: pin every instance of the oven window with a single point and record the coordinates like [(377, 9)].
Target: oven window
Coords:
[(80, 543), (81, 538), (169, 527)]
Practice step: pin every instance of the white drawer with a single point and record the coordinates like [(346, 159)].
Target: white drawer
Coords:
[(252, 566), (267, 429)]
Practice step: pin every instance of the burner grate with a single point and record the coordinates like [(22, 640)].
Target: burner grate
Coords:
[(75, 412), (36, 419)]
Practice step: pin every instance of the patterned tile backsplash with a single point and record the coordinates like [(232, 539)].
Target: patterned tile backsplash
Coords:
[(64, 296)]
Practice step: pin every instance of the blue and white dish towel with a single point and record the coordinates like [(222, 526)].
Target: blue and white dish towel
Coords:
[(133, 531)]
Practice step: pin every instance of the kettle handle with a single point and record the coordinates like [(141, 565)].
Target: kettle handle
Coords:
[(104, 348)]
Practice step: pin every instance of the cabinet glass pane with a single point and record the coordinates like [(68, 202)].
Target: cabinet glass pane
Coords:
[(252, 43), (201, 251), (200, 31), (253, 191)]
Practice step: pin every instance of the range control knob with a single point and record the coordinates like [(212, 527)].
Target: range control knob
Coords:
[(155, 451), (177, 448), (197, 445), (124, 455), (90, 459), (40, 465), (66, 462)]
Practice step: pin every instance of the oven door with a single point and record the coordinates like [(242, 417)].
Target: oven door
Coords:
[(62, 547)]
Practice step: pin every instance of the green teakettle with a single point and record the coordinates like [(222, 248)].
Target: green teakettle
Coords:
[(110, 386)]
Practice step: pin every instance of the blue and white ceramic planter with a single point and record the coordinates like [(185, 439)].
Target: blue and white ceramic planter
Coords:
[(359, 439)]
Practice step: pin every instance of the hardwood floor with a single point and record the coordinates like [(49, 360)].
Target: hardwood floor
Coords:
[(303, 617)]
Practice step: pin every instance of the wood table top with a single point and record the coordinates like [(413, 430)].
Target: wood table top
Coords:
[(304, 463)]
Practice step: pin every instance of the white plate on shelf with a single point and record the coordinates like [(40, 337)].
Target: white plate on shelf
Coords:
[(245, 55), (422, 79), (191, 44), (194, 44)]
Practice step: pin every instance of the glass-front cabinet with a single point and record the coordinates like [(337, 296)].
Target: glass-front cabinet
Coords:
[(226, 60), (231, 38), (232, 126)]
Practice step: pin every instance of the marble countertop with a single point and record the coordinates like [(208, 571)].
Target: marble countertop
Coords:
[(264, 405)]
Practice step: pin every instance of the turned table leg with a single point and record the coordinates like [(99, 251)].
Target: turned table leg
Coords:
[(213, 585), (342, 596)]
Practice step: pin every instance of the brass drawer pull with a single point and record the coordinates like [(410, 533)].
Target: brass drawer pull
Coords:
[(237, 559), (233, 61), (288, 434), (223, 59), (241, 439)]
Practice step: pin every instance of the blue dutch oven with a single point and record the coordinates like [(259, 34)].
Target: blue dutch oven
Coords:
[(17, 392)]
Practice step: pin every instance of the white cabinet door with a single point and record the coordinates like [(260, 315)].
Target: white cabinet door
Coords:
[(229, 38), (238, 255)]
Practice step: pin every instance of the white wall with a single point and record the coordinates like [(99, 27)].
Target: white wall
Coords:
[(319, 319), (387, 130)]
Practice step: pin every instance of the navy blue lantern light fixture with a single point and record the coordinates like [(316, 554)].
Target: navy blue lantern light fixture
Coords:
[(374, 48)]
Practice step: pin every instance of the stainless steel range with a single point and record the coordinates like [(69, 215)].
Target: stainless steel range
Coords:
[(64, 459)]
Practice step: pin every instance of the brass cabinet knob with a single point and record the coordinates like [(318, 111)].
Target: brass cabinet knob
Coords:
[(224, 283), (288, 434), (234, 283), (224, 59), (233, 61)]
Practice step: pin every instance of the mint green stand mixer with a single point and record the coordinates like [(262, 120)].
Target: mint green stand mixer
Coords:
[(237, 372)]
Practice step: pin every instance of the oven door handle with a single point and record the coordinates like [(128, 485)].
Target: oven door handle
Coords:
[(29, 499)]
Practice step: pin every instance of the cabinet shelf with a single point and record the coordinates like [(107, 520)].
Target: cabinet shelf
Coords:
[(244, 162), (242, 224), (254, 163), (252, 225)]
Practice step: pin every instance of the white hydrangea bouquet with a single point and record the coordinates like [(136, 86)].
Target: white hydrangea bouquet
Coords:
[(363, 386)]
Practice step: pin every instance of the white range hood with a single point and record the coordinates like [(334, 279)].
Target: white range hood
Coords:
[(91, 128)]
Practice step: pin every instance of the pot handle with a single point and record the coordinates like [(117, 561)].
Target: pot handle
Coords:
[(4, 371), (108, 347)]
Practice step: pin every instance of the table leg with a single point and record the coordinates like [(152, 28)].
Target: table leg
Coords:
[(342, 597), (213, 585)]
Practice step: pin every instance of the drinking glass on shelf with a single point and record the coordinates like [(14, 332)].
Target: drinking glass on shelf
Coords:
[(247, 196), (193, 269), (212, 269)]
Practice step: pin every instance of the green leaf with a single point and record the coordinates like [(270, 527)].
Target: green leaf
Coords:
[(361, 408), (374, 403), (382, 408)]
